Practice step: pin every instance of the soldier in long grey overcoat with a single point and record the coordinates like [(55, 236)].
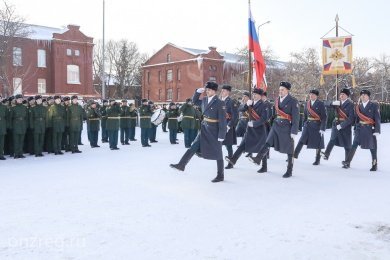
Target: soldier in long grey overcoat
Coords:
[(213, 130), (284, 129), (341, 134), (256, 133), (368, 127), (314, 126), (231, 119)]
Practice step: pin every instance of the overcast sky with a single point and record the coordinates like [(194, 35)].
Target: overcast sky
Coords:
[(198, 24)]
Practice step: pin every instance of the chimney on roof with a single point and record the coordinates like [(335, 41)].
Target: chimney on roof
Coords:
[(212, 48), (73, 27)]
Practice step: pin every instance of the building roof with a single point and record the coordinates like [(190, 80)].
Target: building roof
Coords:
[(38, 32), (228, 57)]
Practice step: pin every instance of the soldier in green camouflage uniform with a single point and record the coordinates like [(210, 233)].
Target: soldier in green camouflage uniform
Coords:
[(188, 122), (56, 120), (48, 146), (3, 124), (65, 143), (29, 138), (75, 121), (103, 112), (38, 116), (19, 119), (145, 114), (173, 125), (93, 117), (125, 123)]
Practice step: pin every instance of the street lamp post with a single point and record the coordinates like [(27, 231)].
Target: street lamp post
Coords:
[(258, 27)]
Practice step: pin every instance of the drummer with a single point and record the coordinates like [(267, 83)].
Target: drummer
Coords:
[(153, 128), (145, 113)]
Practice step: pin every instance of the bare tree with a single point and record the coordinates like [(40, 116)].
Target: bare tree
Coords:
[(303, 71), (12, 30), (381, 77)]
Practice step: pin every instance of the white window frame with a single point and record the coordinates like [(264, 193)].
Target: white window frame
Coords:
[(76, 52), (169, 75), (17, 56), (68, 52), (41, 86), (73, 74), (169, 94), (41, 57), (17, 85)]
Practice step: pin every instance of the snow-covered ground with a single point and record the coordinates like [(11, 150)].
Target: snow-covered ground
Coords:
[(129, 204)]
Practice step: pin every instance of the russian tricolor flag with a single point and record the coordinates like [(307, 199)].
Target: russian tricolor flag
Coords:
[(258, 60)]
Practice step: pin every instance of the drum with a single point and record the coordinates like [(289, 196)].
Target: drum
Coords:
[(158, 116)]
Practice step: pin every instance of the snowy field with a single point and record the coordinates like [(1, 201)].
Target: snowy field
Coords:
[(129, 204)]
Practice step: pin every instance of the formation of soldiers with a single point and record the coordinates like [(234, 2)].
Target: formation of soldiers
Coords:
[(263, 125), (35, 125)]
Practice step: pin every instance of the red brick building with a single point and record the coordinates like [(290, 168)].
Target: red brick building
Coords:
[(50, 60), (173, 73)]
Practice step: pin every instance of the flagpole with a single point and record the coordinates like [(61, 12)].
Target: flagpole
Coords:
[(337, 73), (103, 52), (249, 63)]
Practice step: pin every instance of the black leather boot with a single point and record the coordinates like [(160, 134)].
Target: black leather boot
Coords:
[(347, 162), (220, 174), (263, 165), (374, 167), (259, 156), (183, 161), (229, 166), (318, 157), (298, 150), (288, 173), (328, 149)]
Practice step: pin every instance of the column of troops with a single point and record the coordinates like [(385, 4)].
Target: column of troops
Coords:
[(35, 125), (263, 125)]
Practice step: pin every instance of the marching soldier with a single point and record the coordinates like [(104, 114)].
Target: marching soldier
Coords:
[(314, 126), (19, 120), (368, 127), (112, 126), (145, 114), (284, 129), (256, 133), (125, 123), (243, 116), (231, 121), (341, 134), (103, 112), (271, 117), (75, 121), (133, 122), (38, 116), (3, 124), (56, 120), (173, 125), (213, 132), (188, 122), (93, 117)]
